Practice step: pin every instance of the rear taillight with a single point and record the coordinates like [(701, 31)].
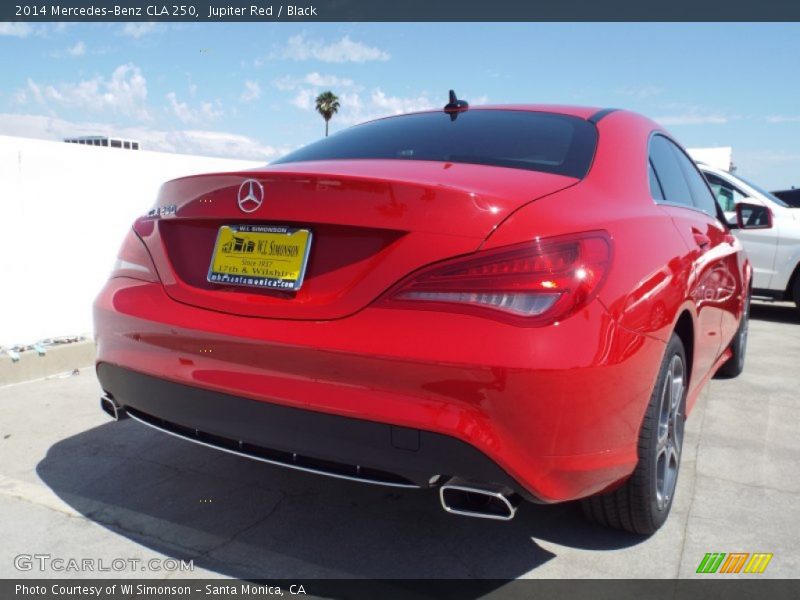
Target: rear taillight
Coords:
[(133, 260), (534, 283)]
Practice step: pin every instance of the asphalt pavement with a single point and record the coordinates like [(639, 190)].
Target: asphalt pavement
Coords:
[(74, 484)]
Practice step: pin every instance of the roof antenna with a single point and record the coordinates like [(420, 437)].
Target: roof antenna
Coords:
[(455, 106)]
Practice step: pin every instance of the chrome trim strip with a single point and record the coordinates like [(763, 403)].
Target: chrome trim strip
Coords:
[(512, 510), (277, 463)]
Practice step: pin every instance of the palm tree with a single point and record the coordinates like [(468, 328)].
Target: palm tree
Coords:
[(327, 106)]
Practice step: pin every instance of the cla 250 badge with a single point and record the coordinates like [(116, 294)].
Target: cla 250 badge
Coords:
[(162, 211)]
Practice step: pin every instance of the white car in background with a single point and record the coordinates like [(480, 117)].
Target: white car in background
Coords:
[(768, 228)]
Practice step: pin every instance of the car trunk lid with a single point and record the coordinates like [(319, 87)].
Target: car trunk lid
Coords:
[(372, 223)]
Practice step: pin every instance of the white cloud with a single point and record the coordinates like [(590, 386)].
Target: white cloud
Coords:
[(683, 113), (125, 92), (214, 143), (211, 110), (640, 92), (180, 109), (252, 91), (693, 118), (319, 80), (286, 83), (79, 49), (189, 141), (31, 91), (315, 79), (16, 29), (187, 114), (138, 30), (783, 119), (396, 105), (357, 108), (23, 30), (304, 99), (344, 50), (772, 157)]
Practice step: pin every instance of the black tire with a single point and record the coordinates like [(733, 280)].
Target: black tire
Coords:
[(642, 503), (796, 291), (734, 366)]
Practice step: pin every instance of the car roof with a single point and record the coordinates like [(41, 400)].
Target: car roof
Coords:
[(583, 112)]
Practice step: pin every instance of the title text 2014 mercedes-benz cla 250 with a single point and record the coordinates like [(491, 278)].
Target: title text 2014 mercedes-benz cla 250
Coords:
[(505, 303)]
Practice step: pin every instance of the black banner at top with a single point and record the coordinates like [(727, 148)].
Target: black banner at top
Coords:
[(399, 10)]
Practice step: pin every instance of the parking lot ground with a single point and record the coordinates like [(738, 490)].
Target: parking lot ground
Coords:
[(73, 484)]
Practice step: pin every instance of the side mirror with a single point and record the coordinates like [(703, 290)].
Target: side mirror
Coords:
[(753, 216)]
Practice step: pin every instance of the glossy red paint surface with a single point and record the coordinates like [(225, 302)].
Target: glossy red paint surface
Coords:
[(557, 406), (373, 222)]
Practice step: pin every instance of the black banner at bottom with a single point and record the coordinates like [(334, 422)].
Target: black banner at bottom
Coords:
[(712, 588)]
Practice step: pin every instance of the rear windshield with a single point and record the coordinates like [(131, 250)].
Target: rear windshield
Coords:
[(535, 141)]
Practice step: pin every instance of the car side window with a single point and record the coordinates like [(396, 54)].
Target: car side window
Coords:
[(701, 194), (674, 188), (727, 195)]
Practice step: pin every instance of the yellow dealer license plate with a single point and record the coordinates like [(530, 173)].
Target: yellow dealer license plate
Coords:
[(262, 256)]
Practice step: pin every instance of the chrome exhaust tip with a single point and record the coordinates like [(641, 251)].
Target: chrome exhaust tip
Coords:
[(110, 407), (481, 502)]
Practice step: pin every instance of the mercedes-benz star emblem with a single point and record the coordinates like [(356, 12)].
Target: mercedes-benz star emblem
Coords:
[(251, 195)]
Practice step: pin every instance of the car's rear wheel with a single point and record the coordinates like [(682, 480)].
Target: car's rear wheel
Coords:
[(642, 503), (734, 366)]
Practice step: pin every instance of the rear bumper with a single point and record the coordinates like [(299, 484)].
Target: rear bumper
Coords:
[(330, 444), (552, 413)]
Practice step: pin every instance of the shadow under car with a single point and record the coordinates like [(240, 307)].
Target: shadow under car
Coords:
[(249, 520)]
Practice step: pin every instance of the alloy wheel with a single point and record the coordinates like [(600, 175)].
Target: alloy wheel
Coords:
[(670, 431)]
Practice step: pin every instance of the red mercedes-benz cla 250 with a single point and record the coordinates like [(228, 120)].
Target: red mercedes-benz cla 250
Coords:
[(505, 303)]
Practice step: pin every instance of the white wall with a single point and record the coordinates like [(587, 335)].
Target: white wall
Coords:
[(718, 157), (64, 209)]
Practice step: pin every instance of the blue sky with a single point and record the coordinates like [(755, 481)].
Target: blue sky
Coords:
[(246, 90)]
